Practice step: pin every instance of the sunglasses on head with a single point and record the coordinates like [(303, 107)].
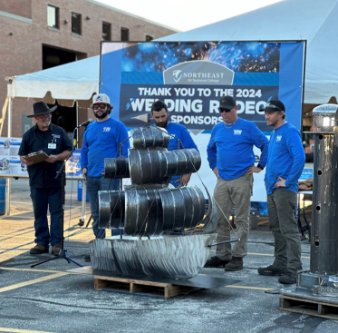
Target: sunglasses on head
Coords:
[(220, 109)]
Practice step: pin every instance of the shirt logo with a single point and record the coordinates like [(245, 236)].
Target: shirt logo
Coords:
[(237, 132), (279, 138), (106, 129)]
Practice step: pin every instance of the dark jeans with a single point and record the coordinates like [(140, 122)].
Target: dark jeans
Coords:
[(94, 185), (44, 198)]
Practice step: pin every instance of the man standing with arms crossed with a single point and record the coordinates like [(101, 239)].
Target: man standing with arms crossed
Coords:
[(285, 164), (231, 158)]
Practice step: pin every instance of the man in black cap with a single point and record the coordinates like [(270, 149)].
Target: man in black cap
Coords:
[(46, 176), (231, 158), (284, 166)]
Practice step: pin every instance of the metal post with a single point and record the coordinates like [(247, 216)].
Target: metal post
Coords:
[(324, 240)]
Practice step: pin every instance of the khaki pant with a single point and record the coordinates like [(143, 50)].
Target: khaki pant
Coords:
[(283, 224), (233, 195)]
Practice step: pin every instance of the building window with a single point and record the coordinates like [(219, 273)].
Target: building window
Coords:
[(106, 31), (76, 23), (124, 34), (53, 17), (149, 38)]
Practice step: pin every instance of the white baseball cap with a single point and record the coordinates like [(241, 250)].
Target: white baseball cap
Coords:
[(101, 98)]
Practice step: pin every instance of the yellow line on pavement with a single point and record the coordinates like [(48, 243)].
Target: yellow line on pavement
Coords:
[(248, 287), (17, 330), (269, 255), (34, 281), (37, 270), (260, 254)]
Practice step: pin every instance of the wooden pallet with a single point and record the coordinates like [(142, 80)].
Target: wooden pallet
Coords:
[(168, 290), (309, 306)]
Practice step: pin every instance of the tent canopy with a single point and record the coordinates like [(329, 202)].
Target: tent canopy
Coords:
[(77, 80), (311, 20)]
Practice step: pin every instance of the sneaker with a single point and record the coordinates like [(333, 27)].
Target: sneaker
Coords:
[(270, 271), (38, 249), (216, 262), (56, 250), (288, 278), (235, 264)]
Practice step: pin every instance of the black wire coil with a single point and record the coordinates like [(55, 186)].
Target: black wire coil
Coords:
[(150, 211)]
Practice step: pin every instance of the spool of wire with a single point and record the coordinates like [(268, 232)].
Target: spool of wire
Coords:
[(150, 137), (117, 167)]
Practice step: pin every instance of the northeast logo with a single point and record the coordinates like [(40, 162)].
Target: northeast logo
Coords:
[(199, 72), (177, 75)]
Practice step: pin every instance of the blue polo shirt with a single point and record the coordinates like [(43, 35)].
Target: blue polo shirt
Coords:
[(286, 158), (104, 139), (230, 148)]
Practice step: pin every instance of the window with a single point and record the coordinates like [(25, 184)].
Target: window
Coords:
[(53, 17), (106, 31), (124, 34), (149, 38), (76, 23)]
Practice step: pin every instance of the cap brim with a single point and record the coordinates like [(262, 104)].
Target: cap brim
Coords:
[(229, 107)]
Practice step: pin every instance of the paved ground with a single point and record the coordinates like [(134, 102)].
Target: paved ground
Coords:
[(54, 297)]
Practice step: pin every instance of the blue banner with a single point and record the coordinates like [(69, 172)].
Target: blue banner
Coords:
[(191, 77)]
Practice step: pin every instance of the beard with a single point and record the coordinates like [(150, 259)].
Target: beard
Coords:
[(162, 124), (101, 116)]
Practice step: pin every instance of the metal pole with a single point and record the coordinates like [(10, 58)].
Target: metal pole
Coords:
[(8, 180), (324, 240)]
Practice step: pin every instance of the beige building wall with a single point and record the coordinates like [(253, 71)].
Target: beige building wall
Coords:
[(24, 31)]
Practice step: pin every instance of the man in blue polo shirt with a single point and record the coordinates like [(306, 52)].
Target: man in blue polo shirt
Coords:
[(285, 164), (231, 158), (181, 138), (104, 138)]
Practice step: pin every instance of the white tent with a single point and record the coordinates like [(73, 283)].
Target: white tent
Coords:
[(77, 80), (311, 20)]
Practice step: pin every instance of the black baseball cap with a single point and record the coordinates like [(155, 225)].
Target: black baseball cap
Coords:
[(274, 105), (227, 102)]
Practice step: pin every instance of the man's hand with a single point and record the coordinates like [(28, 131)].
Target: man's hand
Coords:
[(24, 160), (84, 172), (52, 159), (185, 179), (254, 169), (215, 171), (281, 182)]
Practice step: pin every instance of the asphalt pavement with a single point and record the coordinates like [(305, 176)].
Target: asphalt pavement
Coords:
[(58, 296)]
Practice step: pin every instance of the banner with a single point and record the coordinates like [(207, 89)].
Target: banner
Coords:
[(11, 165), (191, 77)]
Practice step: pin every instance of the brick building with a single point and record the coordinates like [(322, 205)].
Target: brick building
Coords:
[(38, 34)]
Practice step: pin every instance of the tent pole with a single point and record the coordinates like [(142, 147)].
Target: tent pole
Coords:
[(8, 180)]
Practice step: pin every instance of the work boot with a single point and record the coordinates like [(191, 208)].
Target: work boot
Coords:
[(288, 278), (56, 250), (270, 271), (215, 262), (38, 249), (235, 264)]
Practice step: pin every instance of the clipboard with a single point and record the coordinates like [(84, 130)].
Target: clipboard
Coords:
[(36, 157)]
